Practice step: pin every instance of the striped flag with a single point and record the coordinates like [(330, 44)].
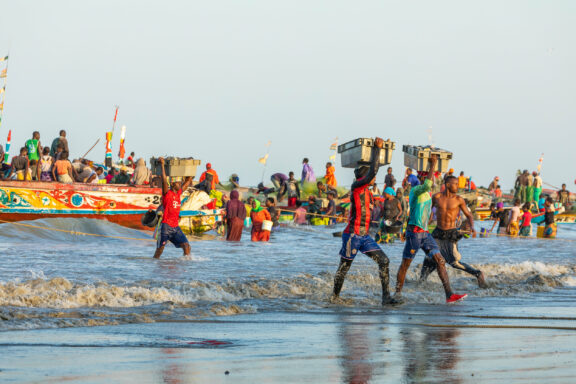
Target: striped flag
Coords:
[(108, 145), (8, 140), (3, 73), (122, 151)]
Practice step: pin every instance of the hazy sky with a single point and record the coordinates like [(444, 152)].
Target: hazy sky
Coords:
[(494, 81)]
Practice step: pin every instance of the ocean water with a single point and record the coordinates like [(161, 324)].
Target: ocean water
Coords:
[(53, 279)]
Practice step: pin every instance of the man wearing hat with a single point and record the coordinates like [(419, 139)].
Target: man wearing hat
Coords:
[(355, 237), (214, 175)]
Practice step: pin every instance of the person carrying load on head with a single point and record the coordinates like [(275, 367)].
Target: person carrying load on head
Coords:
[(418, 237), (171, 203), (356, 237), (448, 207)]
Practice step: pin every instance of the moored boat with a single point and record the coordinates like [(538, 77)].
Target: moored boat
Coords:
[(120, 204)]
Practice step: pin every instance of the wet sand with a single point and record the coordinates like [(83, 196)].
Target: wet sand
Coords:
[(420, 343)]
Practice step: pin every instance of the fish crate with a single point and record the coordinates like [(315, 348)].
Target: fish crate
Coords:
[(359, 152), (175, 166), (416, 157)]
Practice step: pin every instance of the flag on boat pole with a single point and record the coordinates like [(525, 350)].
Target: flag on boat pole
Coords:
[(4, 58), (264, 160), (540, 160), (108, 160), (334, 147), (122, 151), (8, 140)]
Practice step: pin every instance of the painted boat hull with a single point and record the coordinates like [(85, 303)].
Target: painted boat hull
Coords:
[(120, 204)]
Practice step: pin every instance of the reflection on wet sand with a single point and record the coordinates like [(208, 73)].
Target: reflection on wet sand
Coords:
[(430, 353)]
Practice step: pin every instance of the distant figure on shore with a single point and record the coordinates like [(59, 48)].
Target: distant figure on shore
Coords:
[(213, 174), (330, 177), (389, 179), (564, 196), (235, 216), (448, 206), (171, 203), (258, 215), (307, 173)]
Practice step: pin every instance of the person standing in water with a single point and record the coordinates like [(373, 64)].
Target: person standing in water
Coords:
[(258, 215), (171, 202), (417, 237), (448, 206), (235, 215), (355, 237)]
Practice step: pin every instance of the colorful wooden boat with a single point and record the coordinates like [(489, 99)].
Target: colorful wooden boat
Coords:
[(120, 204)]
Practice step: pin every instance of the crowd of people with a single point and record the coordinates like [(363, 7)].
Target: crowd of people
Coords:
[(35, 162)]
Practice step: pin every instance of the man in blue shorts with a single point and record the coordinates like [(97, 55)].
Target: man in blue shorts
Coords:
[(417, 237), (355, 237), (171, 202)]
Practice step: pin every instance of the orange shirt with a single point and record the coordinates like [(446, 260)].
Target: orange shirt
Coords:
[(214, 178), (330, 178), (62, 167)]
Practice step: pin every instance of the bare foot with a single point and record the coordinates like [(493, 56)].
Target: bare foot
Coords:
[(481, 281)]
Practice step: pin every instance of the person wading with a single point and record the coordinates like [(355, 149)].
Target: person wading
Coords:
[(417, 236), (355, 237), (235, 215), (171, 202), (448, 206)]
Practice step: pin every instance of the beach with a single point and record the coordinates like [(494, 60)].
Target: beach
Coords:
[(83, 309)]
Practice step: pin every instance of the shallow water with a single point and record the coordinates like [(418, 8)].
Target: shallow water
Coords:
[(52, 279)]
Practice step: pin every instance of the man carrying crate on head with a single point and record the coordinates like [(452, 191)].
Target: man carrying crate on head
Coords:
[(355, 237)]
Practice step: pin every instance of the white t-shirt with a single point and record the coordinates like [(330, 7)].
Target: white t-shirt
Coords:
[(514, 214)]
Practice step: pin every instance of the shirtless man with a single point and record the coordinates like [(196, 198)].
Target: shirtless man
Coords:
[(448, 206)]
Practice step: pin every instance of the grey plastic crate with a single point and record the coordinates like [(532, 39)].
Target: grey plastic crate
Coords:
[(416, 157), (175, 166), (359, 152)]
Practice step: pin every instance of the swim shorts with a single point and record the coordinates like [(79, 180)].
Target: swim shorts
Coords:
[(417, 240), (352, 244), (172, 234), (447, 242)]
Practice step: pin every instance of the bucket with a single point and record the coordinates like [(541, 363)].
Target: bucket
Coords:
[(393, 226), (149, 219), (267, 225)]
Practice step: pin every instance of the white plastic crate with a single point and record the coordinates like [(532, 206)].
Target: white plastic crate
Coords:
[(175, 166)]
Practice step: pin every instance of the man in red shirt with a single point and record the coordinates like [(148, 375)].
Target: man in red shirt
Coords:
[(212, 172), (171, 201), (356, 236)]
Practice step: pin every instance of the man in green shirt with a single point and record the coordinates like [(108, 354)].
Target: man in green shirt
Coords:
[(34, 147), (418, 237)]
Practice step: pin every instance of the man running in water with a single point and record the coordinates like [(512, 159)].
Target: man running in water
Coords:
[(355, 237), (448, 206), (417, 236), (171, 201)]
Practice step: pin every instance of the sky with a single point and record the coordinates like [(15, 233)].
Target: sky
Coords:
[(492, 81)]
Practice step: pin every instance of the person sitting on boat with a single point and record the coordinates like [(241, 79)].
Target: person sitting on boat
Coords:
[(94, 177), (141, 174), (20, 166), (130, 161), (58, 154), (258, 215), (215, 179), (171, 203), (63, 170), (234, 181), (34, 147), (59, 141), (121, 177), (45, 166)]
